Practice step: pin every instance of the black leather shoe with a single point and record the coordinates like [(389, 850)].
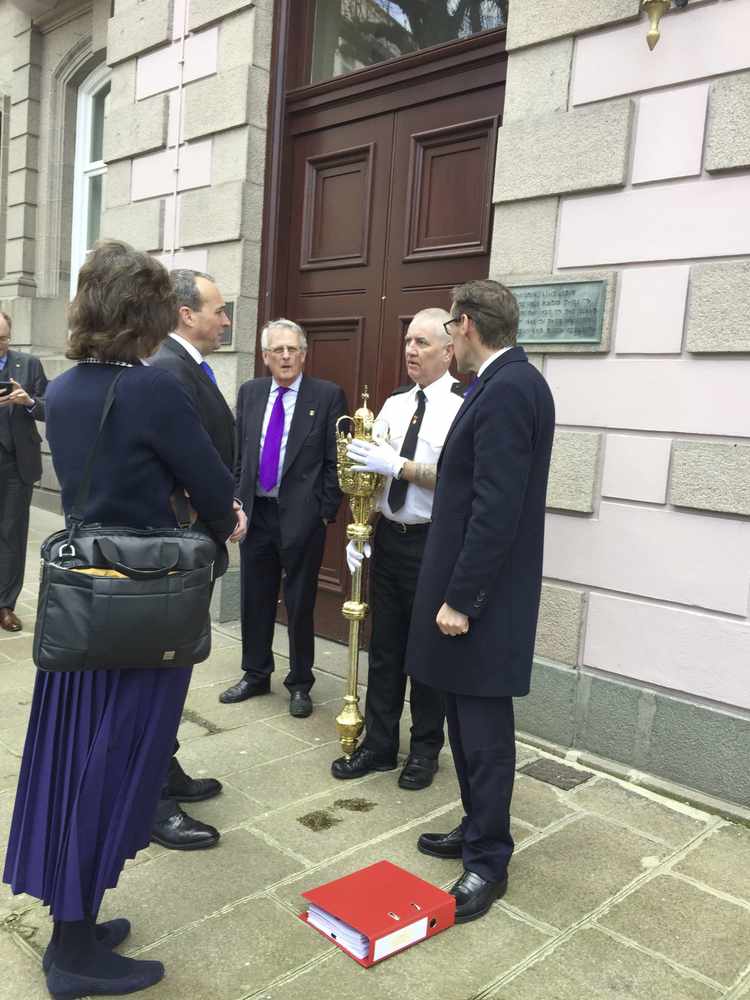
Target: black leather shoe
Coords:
[(244, 688), (111, 933), (361, 762), (300, 705), (182, 787), (418, 772), (139, 975), (442, 845), (181, 832), (474, 896)]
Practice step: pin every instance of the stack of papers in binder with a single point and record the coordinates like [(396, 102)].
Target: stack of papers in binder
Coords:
[(345, 935), (378, 911)]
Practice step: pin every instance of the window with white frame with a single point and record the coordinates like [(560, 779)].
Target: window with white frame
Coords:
[(89, 169)]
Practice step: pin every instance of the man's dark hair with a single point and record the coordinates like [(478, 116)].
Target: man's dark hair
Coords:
[(8, 319), (185, 288), (492, 307), (124, 307)]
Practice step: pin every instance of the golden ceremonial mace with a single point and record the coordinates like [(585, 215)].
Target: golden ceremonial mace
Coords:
[(360, 488)]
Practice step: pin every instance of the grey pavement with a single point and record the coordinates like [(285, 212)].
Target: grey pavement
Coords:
[(615, 892)]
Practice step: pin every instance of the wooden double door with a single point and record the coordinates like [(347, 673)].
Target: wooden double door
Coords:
[(387, 206)]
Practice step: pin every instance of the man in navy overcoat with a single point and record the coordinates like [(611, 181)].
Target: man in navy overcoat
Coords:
[(475, 613)]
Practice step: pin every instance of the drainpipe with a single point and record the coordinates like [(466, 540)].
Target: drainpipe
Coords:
[(179, 99)]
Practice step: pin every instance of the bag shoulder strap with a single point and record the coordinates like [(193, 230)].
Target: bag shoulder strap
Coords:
[(76, 516)]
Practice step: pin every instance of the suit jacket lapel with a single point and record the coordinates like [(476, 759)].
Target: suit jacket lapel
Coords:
[(254, 424), (302, 420), (514, 354)]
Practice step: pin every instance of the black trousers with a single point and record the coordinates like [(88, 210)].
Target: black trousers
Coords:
[(482, 738), (166, 806), (263, 561), (395, 571), (15, 500)]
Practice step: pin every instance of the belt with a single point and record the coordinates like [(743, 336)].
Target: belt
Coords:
[(406, 529), (266, 499)]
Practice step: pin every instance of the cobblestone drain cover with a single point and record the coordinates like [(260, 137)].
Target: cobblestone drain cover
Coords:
[(554, 772)]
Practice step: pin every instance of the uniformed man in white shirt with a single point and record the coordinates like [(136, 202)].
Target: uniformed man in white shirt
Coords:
[(418, 417)]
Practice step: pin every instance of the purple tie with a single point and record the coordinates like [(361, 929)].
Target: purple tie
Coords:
[(472, 387), (269, 460)]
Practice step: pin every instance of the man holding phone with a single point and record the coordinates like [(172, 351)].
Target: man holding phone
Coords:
[(22, 387)]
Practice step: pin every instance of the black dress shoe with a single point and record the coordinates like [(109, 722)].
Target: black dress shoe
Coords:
[(474, 896), (245, 688), (111, 933), (181, 832), (418, 772), (300, 705), (442, 845), (361, 762), (182, 787)]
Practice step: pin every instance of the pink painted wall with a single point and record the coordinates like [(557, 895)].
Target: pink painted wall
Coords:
[(668, 588)]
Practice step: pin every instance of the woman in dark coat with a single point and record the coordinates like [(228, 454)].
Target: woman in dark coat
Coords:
[(99, 741)]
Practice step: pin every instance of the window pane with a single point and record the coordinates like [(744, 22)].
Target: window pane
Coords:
[(351, 34), (99, 108), (94, 210)]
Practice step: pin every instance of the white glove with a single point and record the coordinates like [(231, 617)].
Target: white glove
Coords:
[(380, 458), (354, 557)]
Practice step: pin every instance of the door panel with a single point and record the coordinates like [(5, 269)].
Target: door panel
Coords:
[(388, 211)]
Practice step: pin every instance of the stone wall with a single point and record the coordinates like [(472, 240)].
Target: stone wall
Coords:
[(185, 144), (634, 166)]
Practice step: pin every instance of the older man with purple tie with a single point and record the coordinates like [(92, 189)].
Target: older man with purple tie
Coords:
[(286, 478)]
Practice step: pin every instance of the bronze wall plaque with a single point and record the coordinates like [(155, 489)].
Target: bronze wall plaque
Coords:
[(561, 312)]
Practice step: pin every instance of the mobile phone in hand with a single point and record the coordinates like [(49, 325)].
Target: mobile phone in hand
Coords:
[(6, 388)]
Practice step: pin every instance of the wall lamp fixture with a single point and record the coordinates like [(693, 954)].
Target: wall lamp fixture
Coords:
[(656, 9)]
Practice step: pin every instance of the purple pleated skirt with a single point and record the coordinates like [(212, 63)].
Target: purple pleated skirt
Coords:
[(96, 755)]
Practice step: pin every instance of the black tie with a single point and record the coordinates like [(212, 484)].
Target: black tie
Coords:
[(397, 492)]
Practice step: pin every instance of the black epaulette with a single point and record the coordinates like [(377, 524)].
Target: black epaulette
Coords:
[(402, 389)]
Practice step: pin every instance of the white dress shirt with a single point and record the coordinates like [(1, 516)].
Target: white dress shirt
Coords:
[(493, 357), (192, 350), (289, 400), (441, 407)]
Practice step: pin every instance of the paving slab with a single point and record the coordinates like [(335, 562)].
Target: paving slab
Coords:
[(281, 782), (217, 754), (230, 809), (722, 861), (179, 887), (205, 705), (574, 869), (318, 728), (6, 813), (10, 765), (26, 981), (592, 966), (354, 812), (536, 803), (453, 965), (223, 665), (235, 953), (18, 646), (187, 731), (701, 931), (400, 849), (623, 805), (18, 674)]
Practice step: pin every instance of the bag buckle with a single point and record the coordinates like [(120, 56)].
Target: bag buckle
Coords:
[(66, 550)]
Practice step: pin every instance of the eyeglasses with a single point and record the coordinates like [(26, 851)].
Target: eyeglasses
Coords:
[(279, 352), (450, 322)]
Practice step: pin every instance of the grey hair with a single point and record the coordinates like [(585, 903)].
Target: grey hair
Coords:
[(8, 319), (435, 317), (284, 324), (185, 288)]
